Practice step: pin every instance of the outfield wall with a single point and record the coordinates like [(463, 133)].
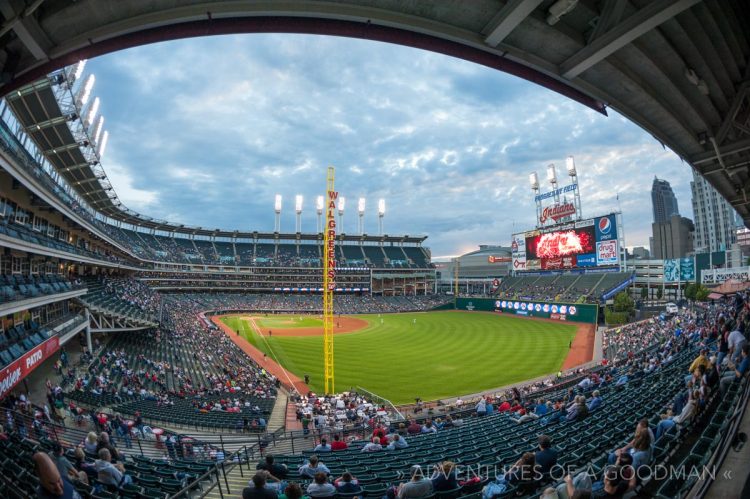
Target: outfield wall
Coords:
[(571, 312)]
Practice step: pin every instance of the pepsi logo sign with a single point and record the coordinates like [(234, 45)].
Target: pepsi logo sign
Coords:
[(605, 225)]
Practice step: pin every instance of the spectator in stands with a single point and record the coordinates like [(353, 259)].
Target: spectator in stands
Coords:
[(481, 407), (639, 446), (347, 484), (311, 468), (258, 490), (278, 471), (292, 491), (736, 341), (373, 446), (398, 442), (417, 487), (595, 402), (428, 427), (546, 457), (320, 486), (323, 446), (104, 443), (413, 428), (337, 443), (444, 477), (91, 443), (111, 474), (65, 467), (736, 371), (52, 485)]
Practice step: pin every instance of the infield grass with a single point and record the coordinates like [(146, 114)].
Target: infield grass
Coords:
[(442, 354)]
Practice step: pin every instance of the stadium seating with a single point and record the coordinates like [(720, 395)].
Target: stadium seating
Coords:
[(492, 442), (98, 298), (563, 287)]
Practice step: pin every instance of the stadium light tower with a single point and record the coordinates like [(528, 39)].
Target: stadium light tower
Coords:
[(84, 92), (319, 208), (298, 211), (342, 205), (361, 212), (381, 214), (534, 182), (277, 210), (552, 178), (92, 113), (570, 165), (103, 145), (98, 129)]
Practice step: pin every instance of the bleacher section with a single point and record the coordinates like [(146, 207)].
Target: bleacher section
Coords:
[(563, 287), (490, 443), (375, 256), (152, 478), (98, 299), (17, 340)]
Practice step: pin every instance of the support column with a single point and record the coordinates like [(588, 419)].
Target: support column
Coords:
[(88, 332)]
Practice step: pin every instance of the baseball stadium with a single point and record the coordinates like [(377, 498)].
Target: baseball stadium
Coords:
[(155, 358)]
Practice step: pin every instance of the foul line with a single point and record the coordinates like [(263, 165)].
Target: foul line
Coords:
[(255, 327)]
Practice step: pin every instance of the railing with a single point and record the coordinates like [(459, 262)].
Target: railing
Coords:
[(375, 398)]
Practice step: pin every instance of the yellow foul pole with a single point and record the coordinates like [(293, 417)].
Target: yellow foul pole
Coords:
[(329, 280)]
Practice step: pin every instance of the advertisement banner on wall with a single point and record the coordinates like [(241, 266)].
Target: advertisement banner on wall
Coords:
[(671, 270), (518, 252), (687, 269), (21, 367), (606, 253), (606, 228)]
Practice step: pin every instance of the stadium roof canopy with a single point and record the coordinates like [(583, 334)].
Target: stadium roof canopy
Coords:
[(678, 68)]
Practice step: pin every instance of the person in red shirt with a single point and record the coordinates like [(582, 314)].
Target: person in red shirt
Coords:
[(413, 428), (504, 407), (338, 444)]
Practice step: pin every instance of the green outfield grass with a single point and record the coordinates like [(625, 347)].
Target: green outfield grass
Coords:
[(288, 321), (443, 354)]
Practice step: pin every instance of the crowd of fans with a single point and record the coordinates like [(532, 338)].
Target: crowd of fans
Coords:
[(719, 333)]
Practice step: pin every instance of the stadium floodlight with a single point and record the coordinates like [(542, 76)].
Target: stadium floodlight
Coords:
[(86, 92), (551, 173), (570, 164), (98, 129), (92, 112), (534, 180), (103, 145), (342, 204), (361, 210), (298, 210), (381, 213), (319, 208), (79, 69), (277, 210)]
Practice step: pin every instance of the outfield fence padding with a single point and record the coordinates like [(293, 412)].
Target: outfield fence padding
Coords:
[(568, 312)]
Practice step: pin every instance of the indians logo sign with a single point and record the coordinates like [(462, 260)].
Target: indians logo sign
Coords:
[(557, 212)]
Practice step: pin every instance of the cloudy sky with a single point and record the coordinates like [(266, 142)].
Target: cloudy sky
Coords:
[(206, 131)]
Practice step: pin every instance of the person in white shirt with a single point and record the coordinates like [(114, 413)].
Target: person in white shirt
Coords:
[(373, 446)]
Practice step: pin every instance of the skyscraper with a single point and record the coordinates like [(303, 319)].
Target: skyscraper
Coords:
[(663, 201), (715, 226)]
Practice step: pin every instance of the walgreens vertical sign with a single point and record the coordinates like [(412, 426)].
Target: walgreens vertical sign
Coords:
[(331, 248), (21, 367)]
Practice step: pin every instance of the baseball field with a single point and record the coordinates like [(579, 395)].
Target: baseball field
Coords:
[(402, 356)]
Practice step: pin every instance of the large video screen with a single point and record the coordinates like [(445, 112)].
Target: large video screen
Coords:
[(585, 243)]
